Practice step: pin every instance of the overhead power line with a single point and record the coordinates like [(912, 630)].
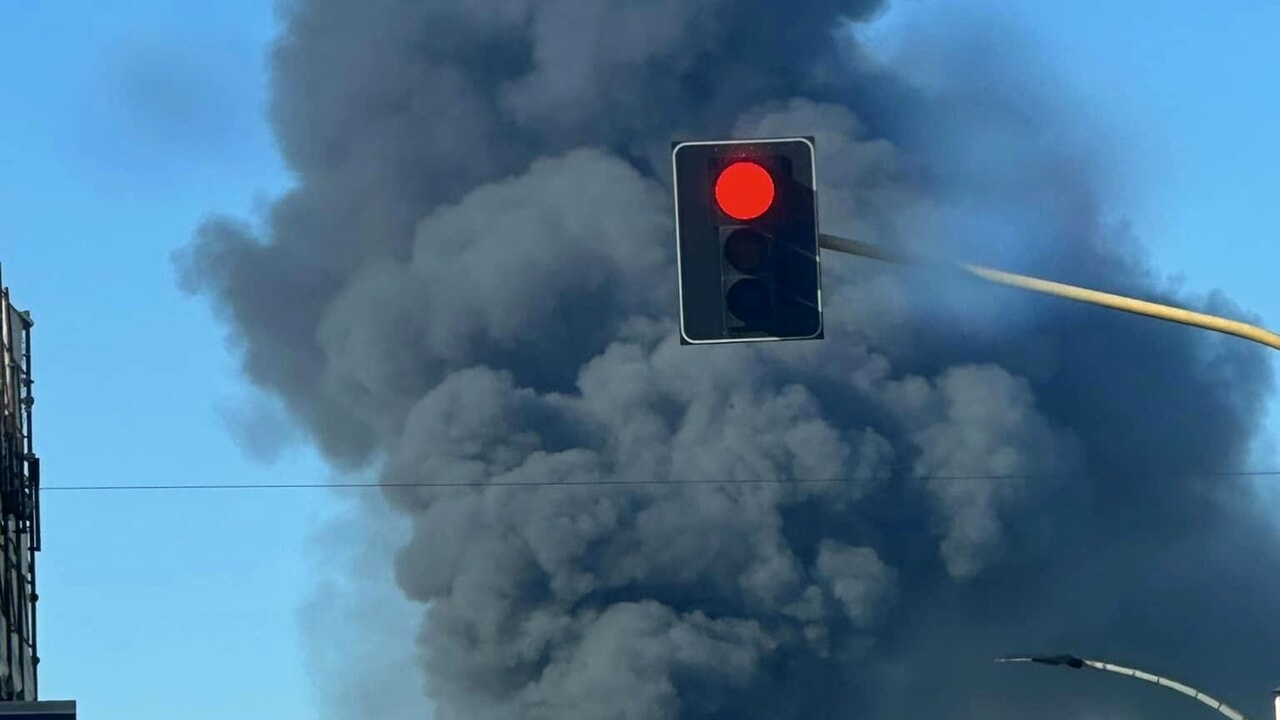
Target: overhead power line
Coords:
[(1244, 474)]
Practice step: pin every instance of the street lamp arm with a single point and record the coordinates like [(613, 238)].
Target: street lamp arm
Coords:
[(1075, 662), (1187, 690), (1070, 292)]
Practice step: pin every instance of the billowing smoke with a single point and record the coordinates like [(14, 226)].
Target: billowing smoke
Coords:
[(472, 286)]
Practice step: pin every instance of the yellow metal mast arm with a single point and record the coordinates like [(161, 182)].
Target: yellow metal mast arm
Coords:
[(1062, 290)]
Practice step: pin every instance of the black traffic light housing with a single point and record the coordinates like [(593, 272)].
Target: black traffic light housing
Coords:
[(747, 240)]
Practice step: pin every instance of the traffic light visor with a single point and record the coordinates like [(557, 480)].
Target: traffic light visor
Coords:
[(744, 190)]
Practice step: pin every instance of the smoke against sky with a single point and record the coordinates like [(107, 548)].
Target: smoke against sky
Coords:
[(473, 283)]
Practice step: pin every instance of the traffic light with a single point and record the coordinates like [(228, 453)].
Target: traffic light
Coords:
[(747, 240)]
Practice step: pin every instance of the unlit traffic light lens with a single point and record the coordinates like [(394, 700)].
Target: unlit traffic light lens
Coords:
[(749, 301), (744, 191), (746, 250)]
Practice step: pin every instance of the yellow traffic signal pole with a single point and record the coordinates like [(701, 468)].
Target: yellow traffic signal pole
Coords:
[(1062, 290)]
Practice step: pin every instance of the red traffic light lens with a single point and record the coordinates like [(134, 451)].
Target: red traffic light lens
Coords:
[(744, 191)]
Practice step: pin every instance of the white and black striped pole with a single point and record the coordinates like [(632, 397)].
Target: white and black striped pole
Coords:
[(1075, 662)]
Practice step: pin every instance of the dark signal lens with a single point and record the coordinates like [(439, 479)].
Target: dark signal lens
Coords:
[(744, 190), (746, 250), (748, 299)]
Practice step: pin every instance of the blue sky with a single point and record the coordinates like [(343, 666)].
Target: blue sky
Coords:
[(123, 127)]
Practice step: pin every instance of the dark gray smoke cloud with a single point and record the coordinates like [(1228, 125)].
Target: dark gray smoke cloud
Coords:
[(472, 284)]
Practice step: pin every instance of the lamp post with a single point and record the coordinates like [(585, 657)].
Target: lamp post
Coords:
[(1072, 661)]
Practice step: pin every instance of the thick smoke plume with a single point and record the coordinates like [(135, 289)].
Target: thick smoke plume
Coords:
[(472, 284)]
